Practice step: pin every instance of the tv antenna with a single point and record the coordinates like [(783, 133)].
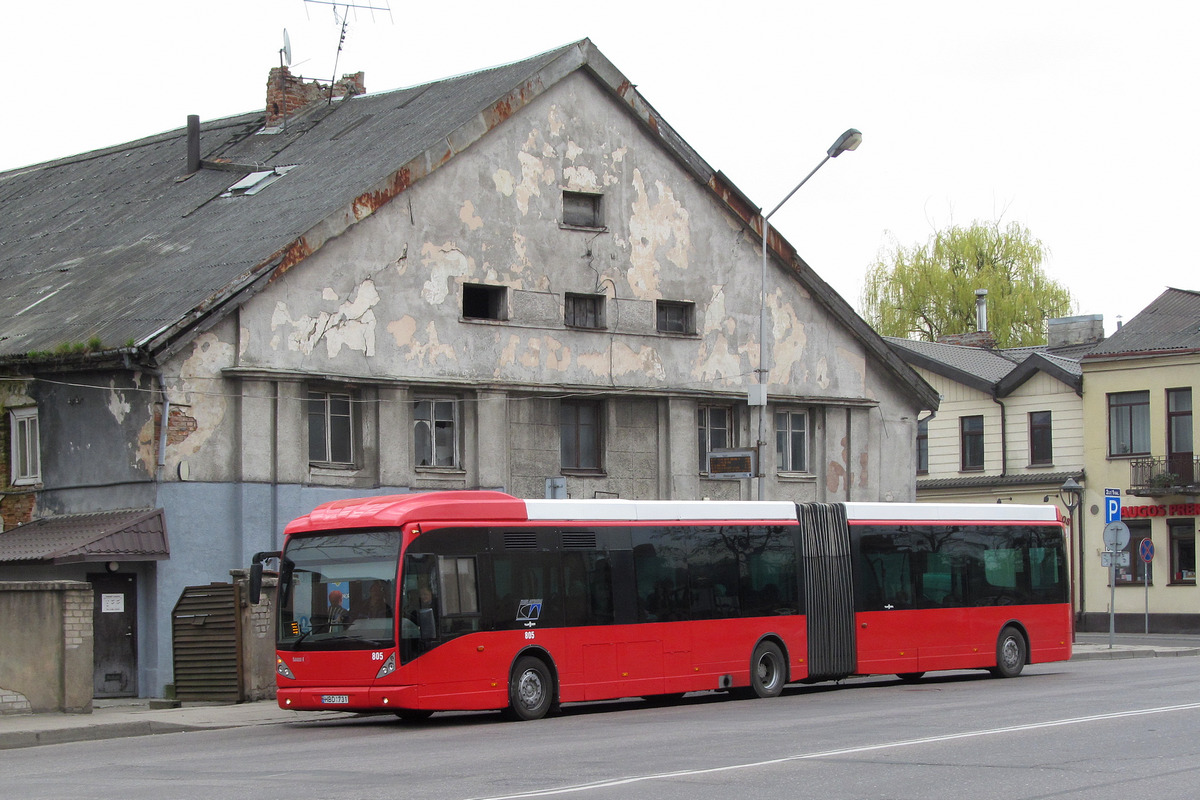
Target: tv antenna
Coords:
[(285, 52), (343, 21)]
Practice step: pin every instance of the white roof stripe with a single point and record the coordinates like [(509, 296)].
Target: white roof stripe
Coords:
[(782, 511)]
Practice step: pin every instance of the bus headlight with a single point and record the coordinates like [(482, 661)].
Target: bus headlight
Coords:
[(283, 669), (388, 667)]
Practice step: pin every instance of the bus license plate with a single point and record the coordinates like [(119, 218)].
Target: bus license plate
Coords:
[(335, 699)]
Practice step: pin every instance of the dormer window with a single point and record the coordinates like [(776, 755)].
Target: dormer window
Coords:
[(255, 182)]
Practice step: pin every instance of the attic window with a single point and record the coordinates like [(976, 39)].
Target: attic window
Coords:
[(582, 210), (255, 182)]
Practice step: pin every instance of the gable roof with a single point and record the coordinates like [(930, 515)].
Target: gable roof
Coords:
[(119, 248), (995, 372), (1169, 324)]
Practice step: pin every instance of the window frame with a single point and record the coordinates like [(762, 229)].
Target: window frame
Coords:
[(665, 320), (353, 421), (1133, 575), (593, 307), (966, 439), (490, 298), (1182, 536), (1128, 410), (1041, 439), (705, 430), (572, 433), (785, 456), (923, 446), (584, 210), (25, 450), (432, 420)]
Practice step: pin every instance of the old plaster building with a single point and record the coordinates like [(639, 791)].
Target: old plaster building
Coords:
[(521, 278)]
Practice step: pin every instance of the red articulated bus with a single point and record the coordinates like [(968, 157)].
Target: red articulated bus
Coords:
[(477, 600)]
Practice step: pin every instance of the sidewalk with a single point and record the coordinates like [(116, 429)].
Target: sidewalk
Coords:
[(112, 719)]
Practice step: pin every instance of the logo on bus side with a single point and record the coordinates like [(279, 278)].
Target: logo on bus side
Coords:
[(528, 612)]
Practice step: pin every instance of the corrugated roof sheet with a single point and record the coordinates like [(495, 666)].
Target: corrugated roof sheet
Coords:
[(1171, 322), (113, 245), (138, 534)]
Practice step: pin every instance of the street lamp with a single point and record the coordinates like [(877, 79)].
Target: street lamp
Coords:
[(1071, 494), (850, 140)]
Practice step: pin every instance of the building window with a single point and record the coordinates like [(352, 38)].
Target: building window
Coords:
[(791, 441), (971, 442), (1183, 552), (714, 426), (435, 433), (1129, 423), (331, 421), (579, 431), (1041, 440), (676, 317), (484, 302), (923, 446), (583, 310), (1180, 455), (582, 210), (25, 448), (1138, 570)]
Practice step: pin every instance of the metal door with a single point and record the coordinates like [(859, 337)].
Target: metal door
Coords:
[(114, 626)]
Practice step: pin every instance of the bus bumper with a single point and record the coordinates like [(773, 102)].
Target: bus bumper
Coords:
[(347, 698)]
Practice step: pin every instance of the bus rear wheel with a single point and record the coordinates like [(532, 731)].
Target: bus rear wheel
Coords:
[(530, 689), (768, 671), (1010, 653)]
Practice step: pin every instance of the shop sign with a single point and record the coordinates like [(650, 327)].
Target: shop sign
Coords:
[(1170, 510)]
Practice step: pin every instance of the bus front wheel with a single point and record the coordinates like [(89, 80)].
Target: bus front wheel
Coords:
[(530, 690), (1010, 653), (768, 671)]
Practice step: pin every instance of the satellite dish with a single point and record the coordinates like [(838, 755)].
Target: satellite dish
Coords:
[(287, 49)]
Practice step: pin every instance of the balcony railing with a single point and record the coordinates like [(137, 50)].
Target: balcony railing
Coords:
[(1164, 475)]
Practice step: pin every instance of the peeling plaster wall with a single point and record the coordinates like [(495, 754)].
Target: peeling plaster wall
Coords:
[(385, 300)]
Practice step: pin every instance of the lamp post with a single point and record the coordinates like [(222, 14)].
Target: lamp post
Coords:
[(850, 140), (1071, 494)]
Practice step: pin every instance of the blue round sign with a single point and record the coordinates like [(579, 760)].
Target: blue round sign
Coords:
[(1146, 548)]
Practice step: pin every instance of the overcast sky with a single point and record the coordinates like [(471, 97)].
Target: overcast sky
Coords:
[(1072, 118)]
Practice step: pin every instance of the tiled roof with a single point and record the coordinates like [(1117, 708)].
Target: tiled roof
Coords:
[(138, 534)]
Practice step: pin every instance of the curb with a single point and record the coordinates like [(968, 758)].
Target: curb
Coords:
[(90, 733), (1117, 654)]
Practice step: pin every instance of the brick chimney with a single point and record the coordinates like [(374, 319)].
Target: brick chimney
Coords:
[(980, 337), (288, 94)]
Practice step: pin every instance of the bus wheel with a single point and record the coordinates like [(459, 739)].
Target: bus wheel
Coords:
[(530, 690), (1010, 654), (910, 677), (414, 714), (767, 670)]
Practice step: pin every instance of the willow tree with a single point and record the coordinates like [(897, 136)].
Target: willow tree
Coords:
[(928, 290)]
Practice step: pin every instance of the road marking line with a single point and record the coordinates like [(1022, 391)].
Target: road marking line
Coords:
[(605, 784)]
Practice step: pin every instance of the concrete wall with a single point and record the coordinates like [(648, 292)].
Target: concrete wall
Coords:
[(46, 650)]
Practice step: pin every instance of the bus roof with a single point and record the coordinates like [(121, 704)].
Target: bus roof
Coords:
[(488, 506)]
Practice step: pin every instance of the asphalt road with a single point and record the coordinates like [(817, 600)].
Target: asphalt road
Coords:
[(1096, 729)]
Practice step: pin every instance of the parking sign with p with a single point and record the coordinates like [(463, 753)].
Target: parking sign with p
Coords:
[(1112, 505)]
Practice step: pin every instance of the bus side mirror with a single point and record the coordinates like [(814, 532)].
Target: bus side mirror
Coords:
[(256, 571)]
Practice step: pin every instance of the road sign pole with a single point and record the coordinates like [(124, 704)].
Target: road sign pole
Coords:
[(1116, 539), (1146, 551)]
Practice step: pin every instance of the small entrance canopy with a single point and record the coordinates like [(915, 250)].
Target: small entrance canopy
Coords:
[(136, 534)]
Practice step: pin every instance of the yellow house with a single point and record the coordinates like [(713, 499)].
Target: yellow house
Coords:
[(1137, 409)]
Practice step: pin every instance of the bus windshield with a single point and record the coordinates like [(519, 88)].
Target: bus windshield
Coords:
[(339, 591)]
